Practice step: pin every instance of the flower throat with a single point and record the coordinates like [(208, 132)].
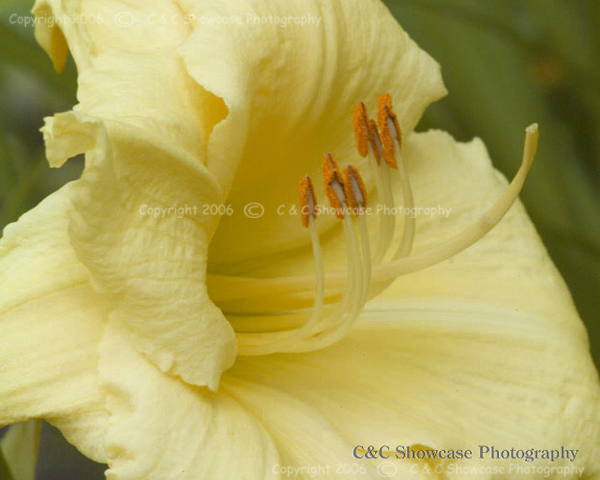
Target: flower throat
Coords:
[(338, 297)]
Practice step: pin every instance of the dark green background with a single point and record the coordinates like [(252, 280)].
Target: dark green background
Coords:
[(506, 63)]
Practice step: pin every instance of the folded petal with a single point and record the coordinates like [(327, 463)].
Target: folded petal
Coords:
[(49, 34), (132, 79), (290, 93), (51, 321), (129, 68), (161, 428), (145, 255), (152, 92), (138, 99), (90, 28)]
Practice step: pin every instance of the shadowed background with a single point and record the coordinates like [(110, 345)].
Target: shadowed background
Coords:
[(506, 63)]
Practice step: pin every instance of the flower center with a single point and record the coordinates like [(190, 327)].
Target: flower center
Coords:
[(338, 297)]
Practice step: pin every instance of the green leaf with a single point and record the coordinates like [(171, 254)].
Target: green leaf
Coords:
[(19, 49)]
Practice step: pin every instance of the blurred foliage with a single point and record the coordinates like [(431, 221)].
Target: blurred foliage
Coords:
[(509, 63), (506, 63), (59, 460), (4, 470), (29, 91)]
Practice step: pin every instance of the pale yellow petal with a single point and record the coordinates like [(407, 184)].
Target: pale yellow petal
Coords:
[(483, 349), (151, 267), (91, 28), (51, 321), (150, 91), (290, 92), (161, 428), (308, 442), (19, 447), (448, 376)]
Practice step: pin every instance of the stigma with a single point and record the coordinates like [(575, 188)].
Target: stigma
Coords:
[(339, 296)]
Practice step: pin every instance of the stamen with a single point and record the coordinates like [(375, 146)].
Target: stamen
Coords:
[(375, 141), (364, 132), (308, 201), (361, 129), (334, 185), (353, 282), (357, 200), (335, 326), (303, 339), (389, 127), (388, 222), (386, 225), (392, 150), (354, 188)]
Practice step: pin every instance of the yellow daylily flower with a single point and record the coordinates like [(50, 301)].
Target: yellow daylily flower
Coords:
[(172, 346)]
